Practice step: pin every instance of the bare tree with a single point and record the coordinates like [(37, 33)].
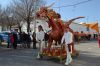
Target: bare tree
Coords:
[(8, 16), (2, 18), (25, 9), (18, 22), (0, 11)]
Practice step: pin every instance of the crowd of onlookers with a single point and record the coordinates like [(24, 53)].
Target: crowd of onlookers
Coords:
[(25, 40), (78, 37), (15, 38)]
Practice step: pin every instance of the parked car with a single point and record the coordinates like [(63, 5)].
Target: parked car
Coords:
[(5, 35)]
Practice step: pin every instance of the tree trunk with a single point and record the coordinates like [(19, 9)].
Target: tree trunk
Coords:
[(20, 29), (2, 27), (28, 26), (7, 28), (10, 27)]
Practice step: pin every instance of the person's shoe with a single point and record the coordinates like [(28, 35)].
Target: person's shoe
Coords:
[(66, 64), (34, 48), (38, 57), (70, 60)]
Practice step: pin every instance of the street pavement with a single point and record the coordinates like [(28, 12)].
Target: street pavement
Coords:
[(89, 55)]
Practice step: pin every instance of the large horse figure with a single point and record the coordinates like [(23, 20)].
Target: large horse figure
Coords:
[(55, 22)]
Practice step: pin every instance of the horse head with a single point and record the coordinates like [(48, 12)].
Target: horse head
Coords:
[(42, 13), (46, 14)]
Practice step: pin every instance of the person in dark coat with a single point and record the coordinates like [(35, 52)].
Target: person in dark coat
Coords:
[(8, 40), (15, 41), (24, 38), (1, 39), (34, 40), (11, 39), (28, 41), (21, 37)]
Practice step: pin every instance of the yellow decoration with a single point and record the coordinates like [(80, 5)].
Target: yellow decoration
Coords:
[(93, 26)]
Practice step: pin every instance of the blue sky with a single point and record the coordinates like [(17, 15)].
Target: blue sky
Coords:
[(4, 3), (90, 9)]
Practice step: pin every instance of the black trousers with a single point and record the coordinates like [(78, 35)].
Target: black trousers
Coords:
[(34, 44), (8, 45), (28, 44), (15, 45)]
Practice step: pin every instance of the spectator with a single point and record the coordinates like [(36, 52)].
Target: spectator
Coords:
[(15, 40), (1, 39), (34, 40), (24, 38), (8, 40), (21, 38), (11, 39), (28, 41)]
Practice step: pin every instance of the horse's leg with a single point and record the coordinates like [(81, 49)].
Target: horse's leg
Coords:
[(49, 46), (50, 43)]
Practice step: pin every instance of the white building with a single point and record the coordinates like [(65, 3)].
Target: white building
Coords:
[(79, 27), (75, 26), (33, 25)]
